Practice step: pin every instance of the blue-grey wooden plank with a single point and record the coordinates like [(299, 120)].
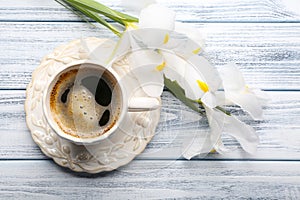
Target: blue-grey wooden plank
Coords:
[(268, 54), (153, 180), (191, 10), (279, 133)]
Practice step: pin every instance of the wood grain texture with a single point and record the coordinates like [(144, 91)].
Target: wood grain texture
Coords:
[(153, 180), (279, 132), (268, 54), (191, 10)]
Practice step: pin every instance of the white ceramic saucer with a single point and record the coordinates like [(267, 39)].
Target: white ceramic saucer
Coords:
[(117, 150)]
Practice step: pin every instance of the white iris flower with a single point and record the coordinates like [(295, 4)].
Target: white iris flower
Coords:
[(155, 51), (240, 94), (237, 92)]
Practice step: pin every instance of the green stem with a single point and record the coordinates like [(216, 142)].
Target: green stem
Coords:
[(81, 12), (218, 107), (223, 110), (97, 18), (179, 93), (76, 12), (97, 7)]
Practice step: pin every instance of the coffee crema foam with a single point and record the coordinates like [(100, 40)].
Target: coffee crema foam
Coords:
[(85, 102)]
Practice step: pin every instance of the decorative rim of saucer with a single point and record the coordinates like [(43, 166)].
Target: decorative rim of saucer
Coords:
[(116, 150)]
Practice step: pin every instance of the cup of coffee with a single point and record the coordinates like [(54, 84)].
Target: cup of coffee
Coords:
[(86, 102)]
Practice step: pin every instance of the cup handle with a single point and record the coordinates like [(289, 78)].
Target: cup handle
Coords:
[(142, 104)]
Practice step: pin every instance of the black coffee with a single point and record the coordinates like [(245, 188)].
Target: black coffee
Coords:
[(99, 87), (85, 102)]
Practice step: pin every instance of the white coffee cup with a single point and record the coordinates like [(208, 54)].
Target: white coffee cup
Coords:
[(135, 104)]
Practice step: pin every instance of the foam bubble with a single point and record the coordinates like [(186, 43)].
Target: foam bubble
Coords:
[(85, 112)]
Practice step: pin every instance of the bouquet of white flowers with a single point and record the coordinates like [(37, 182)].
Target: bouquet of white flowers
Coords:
[(164, 53)]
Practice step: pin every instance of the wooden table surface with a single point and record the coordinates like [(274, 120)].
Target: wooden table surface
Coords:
[(262, 36)]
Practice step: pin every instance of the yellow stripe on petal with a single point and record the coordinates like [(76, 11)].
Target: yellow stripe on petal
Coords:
[(131, 25), (247, 88), (196, 51), (166, 39), (213, 151), (203, 86), (161, 66)]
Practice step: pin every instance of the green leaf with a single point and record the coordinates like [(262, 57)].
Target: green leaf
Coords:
[(76, 12), (223, 110), (179, 93), (98, 19), (97, 7), (95, 17)]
